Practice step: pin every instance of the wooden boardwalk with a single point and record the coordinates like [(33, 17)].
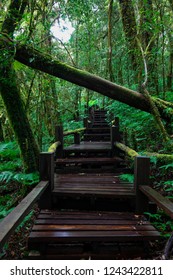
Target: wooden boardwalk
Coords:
[(93, 214), (95, 235), (86, 211)]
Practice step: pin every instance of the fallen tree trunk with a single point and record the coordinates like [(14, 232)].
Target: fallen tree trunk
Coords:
[(45, 63)]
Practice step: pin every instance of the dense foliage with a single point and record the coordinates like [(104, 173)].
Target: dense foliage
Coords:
[(129, 42)]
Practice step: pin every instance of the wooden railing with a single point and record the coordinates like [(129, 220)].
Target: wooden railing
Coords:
[(42, 190), (10, 223), (59, 138), (144, 194)]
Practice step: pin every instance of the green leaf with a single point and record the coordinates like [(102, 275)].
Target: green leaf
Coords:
[(5, 212), (127, 177), (6, 176), (170, 165)]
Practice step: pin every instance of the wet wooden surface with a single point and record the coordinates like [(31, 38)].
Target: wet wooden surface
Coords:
[(68, 226), (88, 184), (89, 146)]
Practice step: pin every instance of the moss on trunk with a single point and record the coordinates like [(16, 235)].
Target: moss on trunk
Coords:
[(18, 119), (78, 130), (44, 62), (54, 146), (10, 91)]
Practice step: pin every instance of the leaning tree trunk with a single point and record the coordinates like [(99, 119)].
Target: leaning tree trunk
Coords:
[(11, 93), (44, 62)]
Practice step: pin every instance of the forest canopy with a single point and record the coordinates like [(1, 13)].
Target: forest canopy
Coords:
[(122, 49)]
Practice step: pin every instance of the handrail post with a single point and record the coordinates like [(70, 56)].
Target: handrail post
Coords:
[(77, 138), (59, 137), (142, 177), (46, 170), (115, 136), (85, 122)]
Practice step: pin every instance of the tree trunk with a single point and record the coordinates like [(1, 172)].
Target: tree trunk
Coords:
[(1, 131), (10, 91), (44, 62), (18, 119), (147, 31), (130, 30), (110, 70)]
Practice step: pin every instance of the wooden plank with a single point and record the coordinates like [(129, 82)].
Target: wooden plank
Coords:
[(61, 221), (89, 160), (83, 176), (104, 236), (57, 227), (93, 187), (66, 221), (10, 222), (159, 199), (94, 194), (93, 215), (89, 146)]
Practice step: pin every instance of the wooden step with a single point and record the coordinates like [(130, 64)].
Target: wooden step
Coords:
[(95, 228), (93, 161), (91, 185), (98, 130), (89, 147), (96, 137), (100, 124)]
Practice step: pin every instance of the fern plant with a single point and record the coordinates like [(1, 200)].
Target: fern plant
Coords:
[(9, 151), (127, 177), (25, 179)]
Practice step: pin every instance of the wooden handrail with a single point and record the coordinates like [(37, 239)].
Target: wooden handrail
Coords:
[(54, 146), (66, 133), (57, 144), (130, 152), (12, 220), (160, 200)]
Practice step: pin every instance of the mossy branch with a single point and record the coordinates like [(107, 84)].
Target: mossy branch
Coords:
[(156, 115), (153, 106), (78, 130), (132, 153)]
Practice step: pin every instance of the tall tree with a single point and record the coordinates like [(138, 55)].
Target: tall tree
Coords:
[(110, 70), (149, 36), (10, 91), (130, 31)]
